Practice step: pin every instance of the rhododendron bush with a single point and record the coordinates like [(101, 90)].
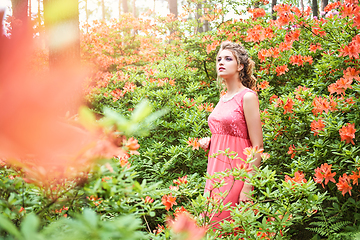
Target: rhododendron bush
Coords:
[(308, 85)]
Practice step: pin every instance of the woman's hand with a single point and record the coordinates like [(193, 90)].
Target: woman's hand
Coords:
[(245, 192), (204, 143)]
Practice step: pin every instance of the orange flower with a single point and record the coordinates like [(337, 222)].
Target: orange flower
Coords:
[(292, 151), (344, 184), (148, 199), (252, 151), (320, 105), (273, 97), (211, 47), (292, 36), (168, 201), (194, 143), (347, 133), (314, 47), (296, 60), (352, 50), (181, 180), (257, 12), (324, 172), (288, 105), (317, 126), (340, 86), (355, 176), (263, 85), (299, 177), (158, 229), (281, 69), (175, 188), (132, 145), (180, 210), (351, 73), (285, 46)]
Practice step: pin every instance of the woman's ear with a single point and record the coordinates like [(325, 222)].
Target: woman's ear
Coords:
[(240, 67)]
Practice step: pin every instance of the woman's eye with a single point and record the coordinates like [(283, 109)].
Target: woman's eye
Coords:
[(228, 59), (219, 59)]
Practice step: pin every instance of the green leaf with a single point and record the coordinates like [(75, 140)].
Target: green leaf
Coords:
[(9, 227)]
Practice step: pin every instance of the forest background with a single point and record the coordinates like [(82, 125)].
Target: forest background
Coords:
[(101, 120)]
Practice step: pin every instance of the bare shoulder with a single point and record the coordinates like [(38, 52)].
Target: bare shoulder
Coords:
[(250, 96)]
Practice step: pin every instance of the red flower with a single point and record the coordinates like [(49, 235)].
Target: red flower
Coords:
[(324, 172), (185, 224), (285, 46), (168, 201), (273, 97), (292, 36), (314, 47), (263, 85), (348, 10), (340, 86), (181, 180), (331, 6), (352, 50), (158, 229), (281, 69), (351, 73), (292, 151), (347, 133), (320, 105), (180, 210), (257, 12), (344, 184), (288, 105), (148, 199), (296, 60), (317, 126), (355, 177), (299, 177), (194, 143)]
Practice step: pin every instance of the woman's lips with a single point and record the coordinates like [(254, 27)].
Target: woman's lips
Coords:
[(221, 68)]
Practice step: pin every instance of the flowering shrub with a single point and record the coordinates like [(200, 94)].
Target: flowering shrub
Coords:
[(308, 87)]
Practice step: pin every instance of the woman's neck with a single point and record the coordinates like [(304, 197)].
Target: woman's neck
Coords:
[(233, 86)]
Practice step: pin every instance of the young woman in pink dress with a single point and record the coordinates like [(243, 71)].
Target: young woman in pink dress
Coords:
[(234, 123)]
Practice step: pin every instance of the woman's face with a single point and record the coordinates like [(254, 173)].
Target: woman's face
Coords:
[(227, 65)]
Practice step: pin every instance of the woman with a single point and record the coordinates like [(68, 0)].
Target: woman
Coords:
[(234, 123)]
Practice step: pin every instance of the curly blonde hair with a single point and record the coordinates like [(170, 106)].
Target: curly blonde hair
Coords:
[(242, 57)]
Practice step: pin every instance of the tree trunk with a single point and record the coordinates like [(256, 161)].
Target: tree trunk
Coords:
[(134, 8), (103, 9), (273, 3), (324, 3), (67, 52), (197, 17), (125, 6), (119, 8), (173, 7), (315, 8), (302, 5)]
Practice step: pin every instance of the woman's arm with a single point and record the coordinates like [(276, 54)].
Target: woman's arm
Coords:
[(253, 122)]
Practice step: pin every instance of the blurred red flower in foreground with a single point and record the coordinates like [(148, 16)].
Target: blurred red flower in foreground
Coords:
[(186, 226), (33, 130)]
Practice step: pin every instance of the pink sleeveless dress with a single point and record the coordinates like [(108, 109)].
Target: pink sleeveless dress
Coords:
[(229, 130)]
